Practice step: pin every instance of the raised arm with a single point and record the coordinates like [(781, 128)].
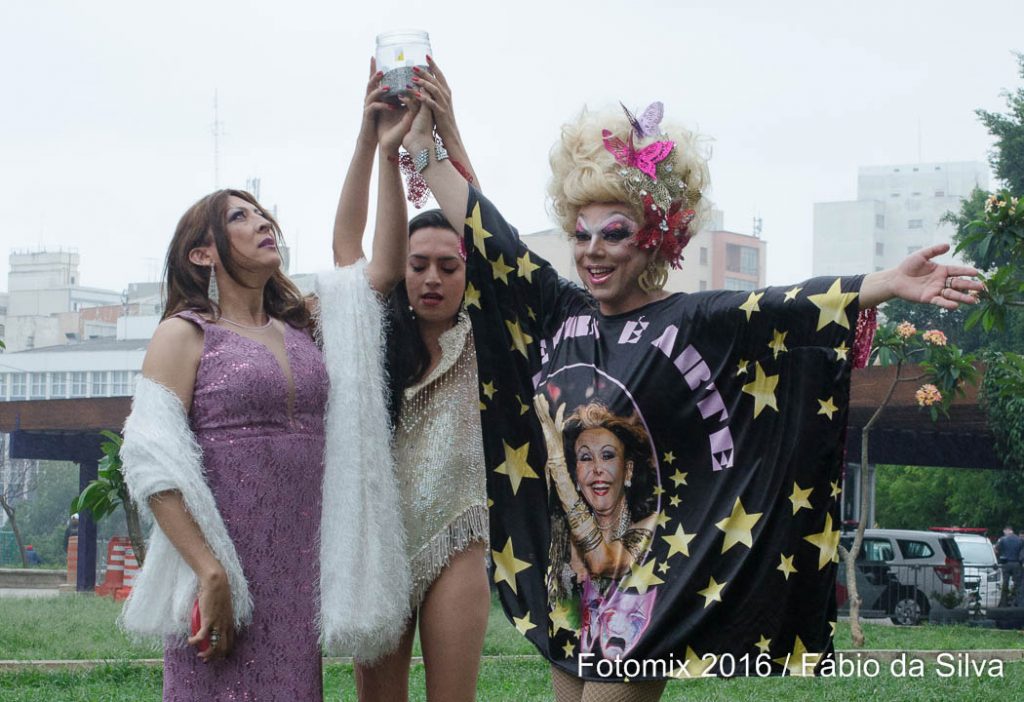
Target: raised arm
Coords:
[(434, 85), (172, 360), (382, 125)]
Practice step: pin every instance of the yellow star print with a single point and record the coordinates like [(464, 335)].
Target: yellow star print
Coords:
[(713, 592), (791, 294), (738, 527), (663, 567), (800, 498), (762, 388), (832, 305), (489, 390), (658, 490), (694, 666), (741, 367), (841, 351), (827, 541), (641, 577), (669, 457), (674, 501), (515, 465), (479, 233), (472, 297), (661, 520), (523, 407), (786, 565), (523, 624), (678, 542), (568, 648), (679, 478), (500, 270), (751, 306), (506, 566), (526, 267), (559, 617), (836, 490), (828, 408), (764, 644), (778, 343), (832, 626), (520, 339), (795, 666)]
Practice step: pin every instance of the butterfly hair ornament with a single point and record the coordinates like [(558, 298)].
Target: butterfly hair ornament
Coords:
[(647, 173)]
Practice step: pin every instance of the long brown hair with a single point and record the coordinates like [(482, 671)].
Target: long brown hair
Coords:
[(187, 283)]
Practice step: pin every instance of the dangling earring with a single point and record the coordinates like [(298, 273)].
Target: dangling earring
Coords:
[(653, 277), (213, 290), (412, 313), (629, 483)]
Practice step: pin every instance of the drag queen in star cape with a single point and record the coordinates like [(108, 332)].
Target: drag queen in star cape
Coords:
[(685, 449)]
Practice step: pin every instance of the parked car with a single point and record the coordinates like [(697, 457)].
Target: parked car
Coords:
[(900, 573), (982, 577)]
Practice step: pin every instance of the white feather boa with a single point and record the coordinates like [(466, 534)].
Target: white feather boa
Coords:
[(160, 453), (364, 571)]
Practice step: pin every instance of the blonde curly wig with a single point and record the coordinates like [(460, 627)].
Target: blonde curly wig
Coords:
[(583, 171)]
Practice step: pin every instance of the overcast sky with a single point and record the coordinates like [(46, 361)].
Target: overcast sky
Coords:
[(106, 107)]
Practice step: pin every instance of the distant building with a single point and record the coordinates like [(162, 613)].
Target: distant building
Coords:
[(897, 212), (713, 259), (45, 302)]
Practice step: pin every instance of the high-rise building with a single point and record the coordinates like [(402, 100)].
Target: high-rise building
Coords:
[(897, 211)]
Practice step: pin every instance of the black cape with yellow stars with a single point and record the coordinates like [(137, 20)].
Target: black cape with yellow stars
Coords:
[(742, 398)]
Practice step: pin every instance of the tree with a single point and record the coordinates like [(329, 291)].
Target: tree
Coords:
[(947, 368), (109, 491), (1007, 158), (17, 480)]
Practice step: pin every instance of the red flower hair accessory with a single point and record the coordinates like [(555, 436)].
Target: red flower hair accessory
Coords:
[(667, 233)]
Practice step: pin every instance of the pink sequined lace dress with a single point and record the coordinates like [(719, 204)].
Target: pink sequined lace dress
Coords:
[(264, 466)]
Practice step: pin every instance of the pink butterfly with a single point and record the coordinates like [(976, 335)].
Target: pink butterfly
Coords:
[(646, 159)]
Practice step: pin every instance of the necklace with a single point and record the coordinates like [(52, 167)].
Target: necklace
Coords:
[(262, 327), (620, 528)]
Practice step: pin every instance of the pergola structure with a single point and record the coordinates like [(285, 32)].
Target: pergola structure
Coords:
[(67, 430)]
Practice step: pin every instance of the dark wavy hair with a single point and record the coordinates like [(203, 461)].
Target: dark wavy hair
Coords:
[(407, 357), (187, 283), (630, 431)]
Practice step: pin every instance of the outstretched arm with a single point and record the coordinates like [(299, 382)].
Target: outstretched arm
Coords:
[(919, 279), (382, 125)]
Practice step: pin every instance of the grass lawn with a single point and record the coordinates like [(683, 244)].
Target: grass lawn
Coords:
[(84, 628)]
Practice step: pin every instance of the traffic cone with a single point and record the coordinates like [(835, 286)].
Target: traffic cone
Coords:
[(114, 579), (131, 569)]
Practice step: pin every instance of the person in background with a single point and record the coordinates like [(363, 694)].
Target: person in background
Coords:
[(1010, 551)]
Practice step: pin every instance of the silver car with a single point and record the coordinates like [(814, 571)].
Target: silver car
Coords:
[(982, 577), (901, 573)]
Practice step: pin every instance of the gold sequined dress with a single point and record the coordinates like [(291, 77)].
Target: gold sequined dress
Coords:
[(439, 461)]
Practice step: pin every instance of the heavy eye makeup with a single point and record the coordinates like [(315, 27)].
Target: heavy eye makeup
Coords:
[(614, 230)]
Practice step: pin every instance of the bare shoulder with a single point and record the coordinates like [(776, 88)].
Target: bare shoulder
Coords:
[(172, 358)]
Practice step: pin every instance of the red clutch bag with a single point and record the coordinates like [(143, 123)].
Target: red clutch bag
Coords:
[(197, 624)]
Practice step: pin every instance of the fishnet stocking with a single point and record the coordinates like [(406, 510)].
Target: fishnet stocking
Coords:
[(572, 689)]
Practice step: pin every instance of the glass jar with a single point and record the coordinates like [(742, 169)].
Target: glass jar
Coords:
[(397, 53)]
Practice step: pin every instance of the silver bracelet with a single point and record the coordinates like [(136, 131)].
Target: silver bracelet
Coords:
[(421, 160), (440, 153)]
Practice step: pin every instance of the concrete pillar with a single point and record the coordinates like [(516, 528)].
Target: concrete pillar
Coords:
[(86, 581)]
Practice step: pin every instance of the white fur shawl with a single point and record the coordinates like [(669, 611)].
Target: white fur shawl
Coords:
[(364, 572), (159, 454)]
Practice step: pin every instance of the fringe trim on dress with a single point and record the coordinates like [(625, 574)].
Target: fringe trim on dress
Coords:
[(470, 526)]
